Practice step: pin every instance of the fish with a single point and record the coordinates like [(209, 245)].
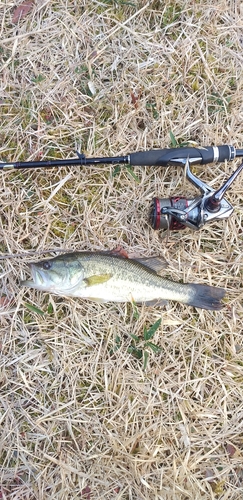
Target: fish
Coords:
[(110, 277)]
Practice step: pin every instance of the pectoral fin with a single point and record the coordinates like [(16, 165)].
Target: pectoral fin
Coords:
[(97, 279)]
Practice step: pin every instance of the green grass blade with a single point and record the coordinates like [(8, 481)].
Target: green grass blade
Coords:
[(154, 347), (34, 309), (174, 142), (148, 334), (130, 170)]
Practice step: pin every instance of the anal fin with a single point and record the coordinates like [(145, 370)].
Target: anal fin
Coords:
[(154, 303)]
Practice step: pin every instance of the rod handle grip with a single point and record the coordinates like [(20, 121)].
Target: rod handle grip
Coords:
[(161, 157)]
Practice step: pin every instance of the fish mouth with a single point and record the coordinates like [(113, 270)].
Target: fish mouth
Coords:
[(38, 280)]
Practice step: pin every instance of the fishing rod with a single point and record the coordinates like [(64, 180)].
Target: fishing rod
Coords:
[(174, 213), (154, 157)]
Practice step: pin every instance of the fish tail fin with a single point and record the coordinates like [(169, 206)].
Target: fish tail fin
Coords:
[(205, 297)]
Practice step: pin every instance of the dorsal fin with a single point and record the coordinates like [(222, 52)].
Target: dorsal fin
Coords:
[(156, 263)]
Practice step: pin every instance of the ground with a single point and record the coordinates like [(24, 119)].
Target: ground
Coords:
[(89, 408)]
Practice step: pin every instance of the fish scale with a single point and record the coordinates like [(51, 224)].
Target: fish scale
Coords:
[(130, 280)]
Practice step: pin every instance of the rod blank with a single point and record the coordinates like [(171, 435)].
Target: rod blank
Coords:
[(155, 157)]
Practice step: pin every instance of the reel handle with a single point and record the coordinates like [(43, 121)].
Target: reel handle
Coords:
[(213, 203)]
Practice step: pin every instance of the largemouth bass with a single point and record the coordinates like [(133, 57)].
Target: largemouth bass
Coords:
[(111, 278)]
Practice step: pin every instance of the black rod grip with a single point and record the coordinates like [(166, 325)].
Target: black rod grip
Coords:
[(161, 157)]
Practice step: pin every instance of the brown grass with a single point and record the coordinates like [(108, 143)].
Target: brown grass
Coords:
[(78, 421)]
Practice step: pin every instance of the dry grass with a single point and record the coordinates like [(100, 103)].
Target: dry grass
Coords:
[(78, 421)]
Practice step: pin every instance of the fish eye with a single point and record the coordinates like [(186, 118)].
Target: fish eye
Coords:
[(46, 265)]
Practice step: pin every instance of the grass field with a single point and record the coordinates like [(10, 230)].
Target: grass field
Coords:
[(88, 410)]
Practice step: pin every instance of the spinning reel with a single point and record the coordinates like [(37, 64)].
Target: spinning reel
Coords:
[(177, 213)]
